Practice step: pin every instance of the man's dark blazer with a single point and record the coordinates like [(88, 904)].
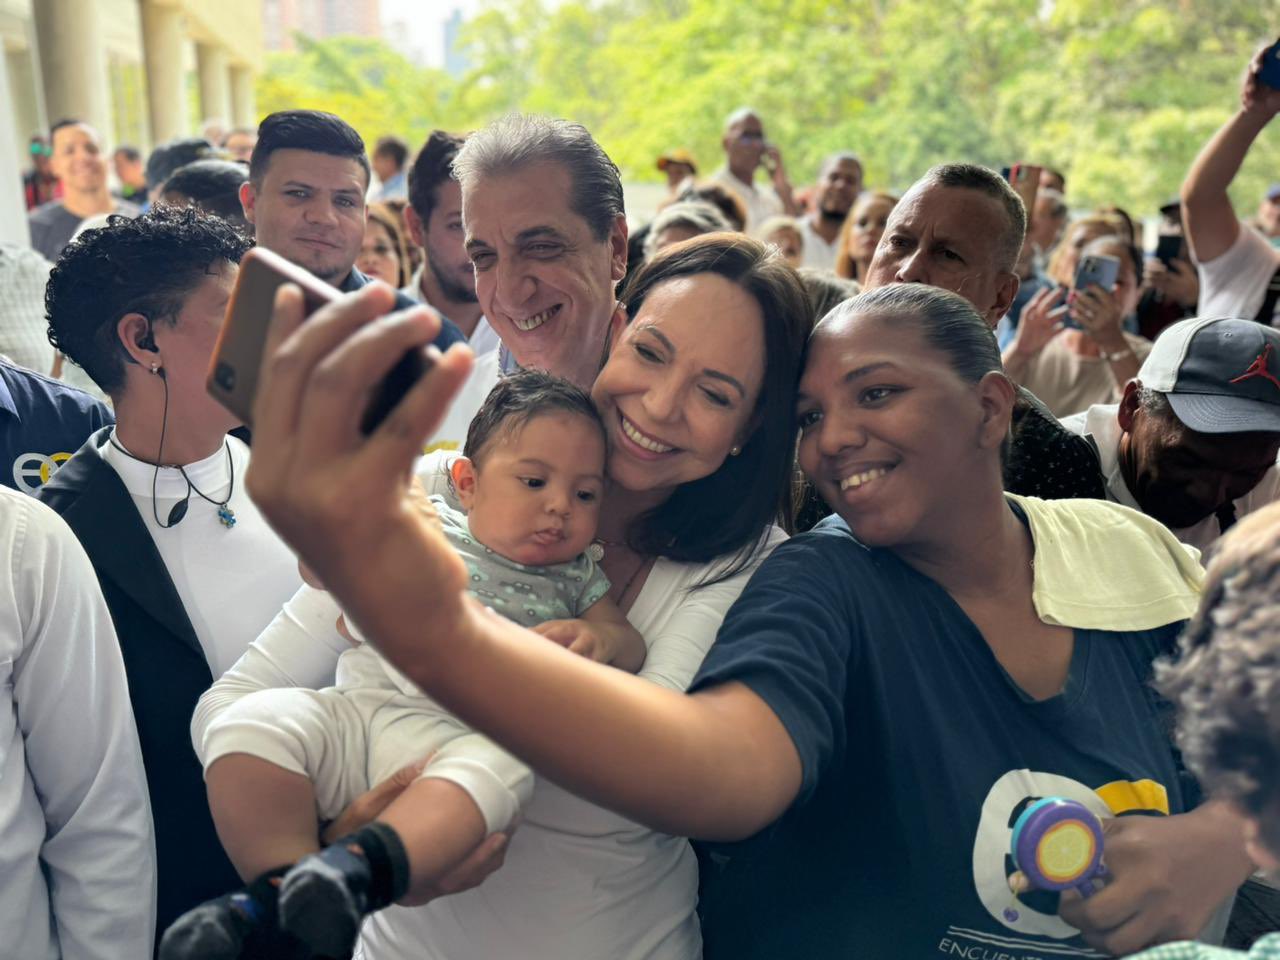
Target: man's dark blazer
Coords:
[(166, 668)]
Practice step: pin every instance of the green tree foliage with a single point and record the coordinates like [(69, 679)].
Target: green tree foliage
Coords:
[(1119, 95)]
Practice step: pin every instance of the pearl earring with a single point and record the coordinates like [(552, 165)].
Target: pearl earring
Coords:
[(734, 451)]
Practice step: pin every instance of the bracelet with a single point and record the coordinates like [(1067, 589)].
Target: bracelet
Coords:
[(1118, 355)]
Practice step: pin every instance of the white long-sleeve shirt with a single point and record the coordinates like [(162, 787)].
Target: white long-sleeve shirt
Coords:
[(579, 882), (77, 856)]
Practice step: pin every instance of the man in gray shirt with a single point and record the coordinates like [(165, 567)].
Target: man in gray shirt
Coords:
[(80, 167)]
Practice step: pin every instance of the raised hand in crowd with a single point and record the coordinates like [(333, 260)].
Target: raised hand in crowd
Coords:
[(778, 174), (1099, 316), (1043, 318), (1178, 282), (1255, 96)]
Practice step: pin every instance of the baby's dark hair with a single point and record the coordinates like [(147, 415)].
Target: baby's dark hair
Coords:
[(1226, 684), (520, 397)]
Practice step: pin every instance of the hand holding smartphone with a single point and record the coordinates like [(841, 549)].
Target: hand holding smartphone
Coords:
[(1095, 270), (1169, 249), (1269, 69), (237, 357)]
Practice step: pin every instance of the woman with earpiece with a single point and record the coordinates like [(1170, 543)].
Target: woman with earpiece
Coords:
[(187, 564)]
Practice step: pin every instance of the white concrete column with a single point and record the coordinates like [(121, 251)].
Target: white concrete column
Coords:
[(73, 62), (215, 93), (244, 108), (13, 208), (24, 102), (162, 42)]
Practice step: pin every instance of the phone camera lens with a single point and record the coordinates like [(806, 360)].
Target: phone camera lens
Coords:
[(225, 377)]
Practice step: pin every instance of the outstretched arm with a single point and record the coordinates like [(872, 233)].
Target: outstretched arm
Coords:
[(1210, 220), (719, 764)]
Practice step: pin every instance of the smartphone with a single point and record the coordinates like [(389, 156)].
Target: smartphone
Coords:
[(1025, 180), (237, 356), (1269, 72), (1168, 249), (1097, 270)]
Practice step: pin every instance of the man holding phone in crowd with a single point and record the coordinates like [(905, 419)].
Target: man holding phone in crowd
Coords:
[(745, 149), (1239, 269), (306, 199)]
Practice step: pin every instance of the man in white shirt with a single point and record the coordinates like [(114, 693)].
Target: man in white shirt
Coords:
[(1195, 437), (445, 281), (77, 860), (745, 149), (1239, 269), (838, 186)]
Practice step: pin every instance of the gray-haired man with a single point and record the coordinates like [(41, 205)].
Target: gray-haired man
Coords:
[(547, 235)]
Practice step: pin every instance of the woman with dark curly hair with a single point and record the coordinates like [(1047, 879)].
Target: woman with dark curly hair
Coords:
[(189, 568)]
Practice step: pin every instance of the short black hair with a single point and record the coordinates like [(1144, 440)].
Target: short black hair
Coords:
[(392, 147), (214, 187), (517, 399), (147, 265), (174, 155), (65, 122), (132, 154), (312, 130), (970, 176), (431, 167)]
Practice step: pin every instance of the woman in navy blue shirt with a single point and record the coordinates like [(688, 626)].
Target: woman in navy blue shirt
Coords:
[(888, 694)]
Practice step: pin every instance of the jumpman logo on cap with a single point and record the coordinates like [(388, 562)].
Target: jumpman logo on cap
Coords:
[(1259, 368)]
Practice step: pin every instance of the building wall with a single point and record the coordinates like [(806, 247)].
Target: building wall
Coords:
[(318, 19), (233, 27)]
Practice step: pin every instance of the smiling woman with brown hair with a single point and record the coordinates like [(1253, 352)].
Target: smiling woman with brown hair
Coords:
[(696, 399)]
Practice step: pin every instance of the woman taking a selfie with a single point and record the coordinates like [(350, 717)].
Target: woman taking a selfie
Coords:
[(707, 368), (890, 689)]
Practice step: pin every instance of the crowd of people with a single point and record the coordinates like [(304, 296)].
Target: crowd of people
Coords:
[(729, 584)]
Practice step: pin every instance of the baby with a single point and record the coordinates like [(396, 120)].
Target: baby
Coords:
[(1226, 688), (530, 482)]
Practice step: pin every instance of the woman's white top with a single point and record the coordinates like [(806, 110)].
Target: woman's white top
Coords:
[(579, 882), (231, 580)]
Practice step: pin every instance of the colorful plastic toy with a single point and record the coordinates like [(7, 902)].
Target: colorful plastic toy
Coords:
[(1057, 845)]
